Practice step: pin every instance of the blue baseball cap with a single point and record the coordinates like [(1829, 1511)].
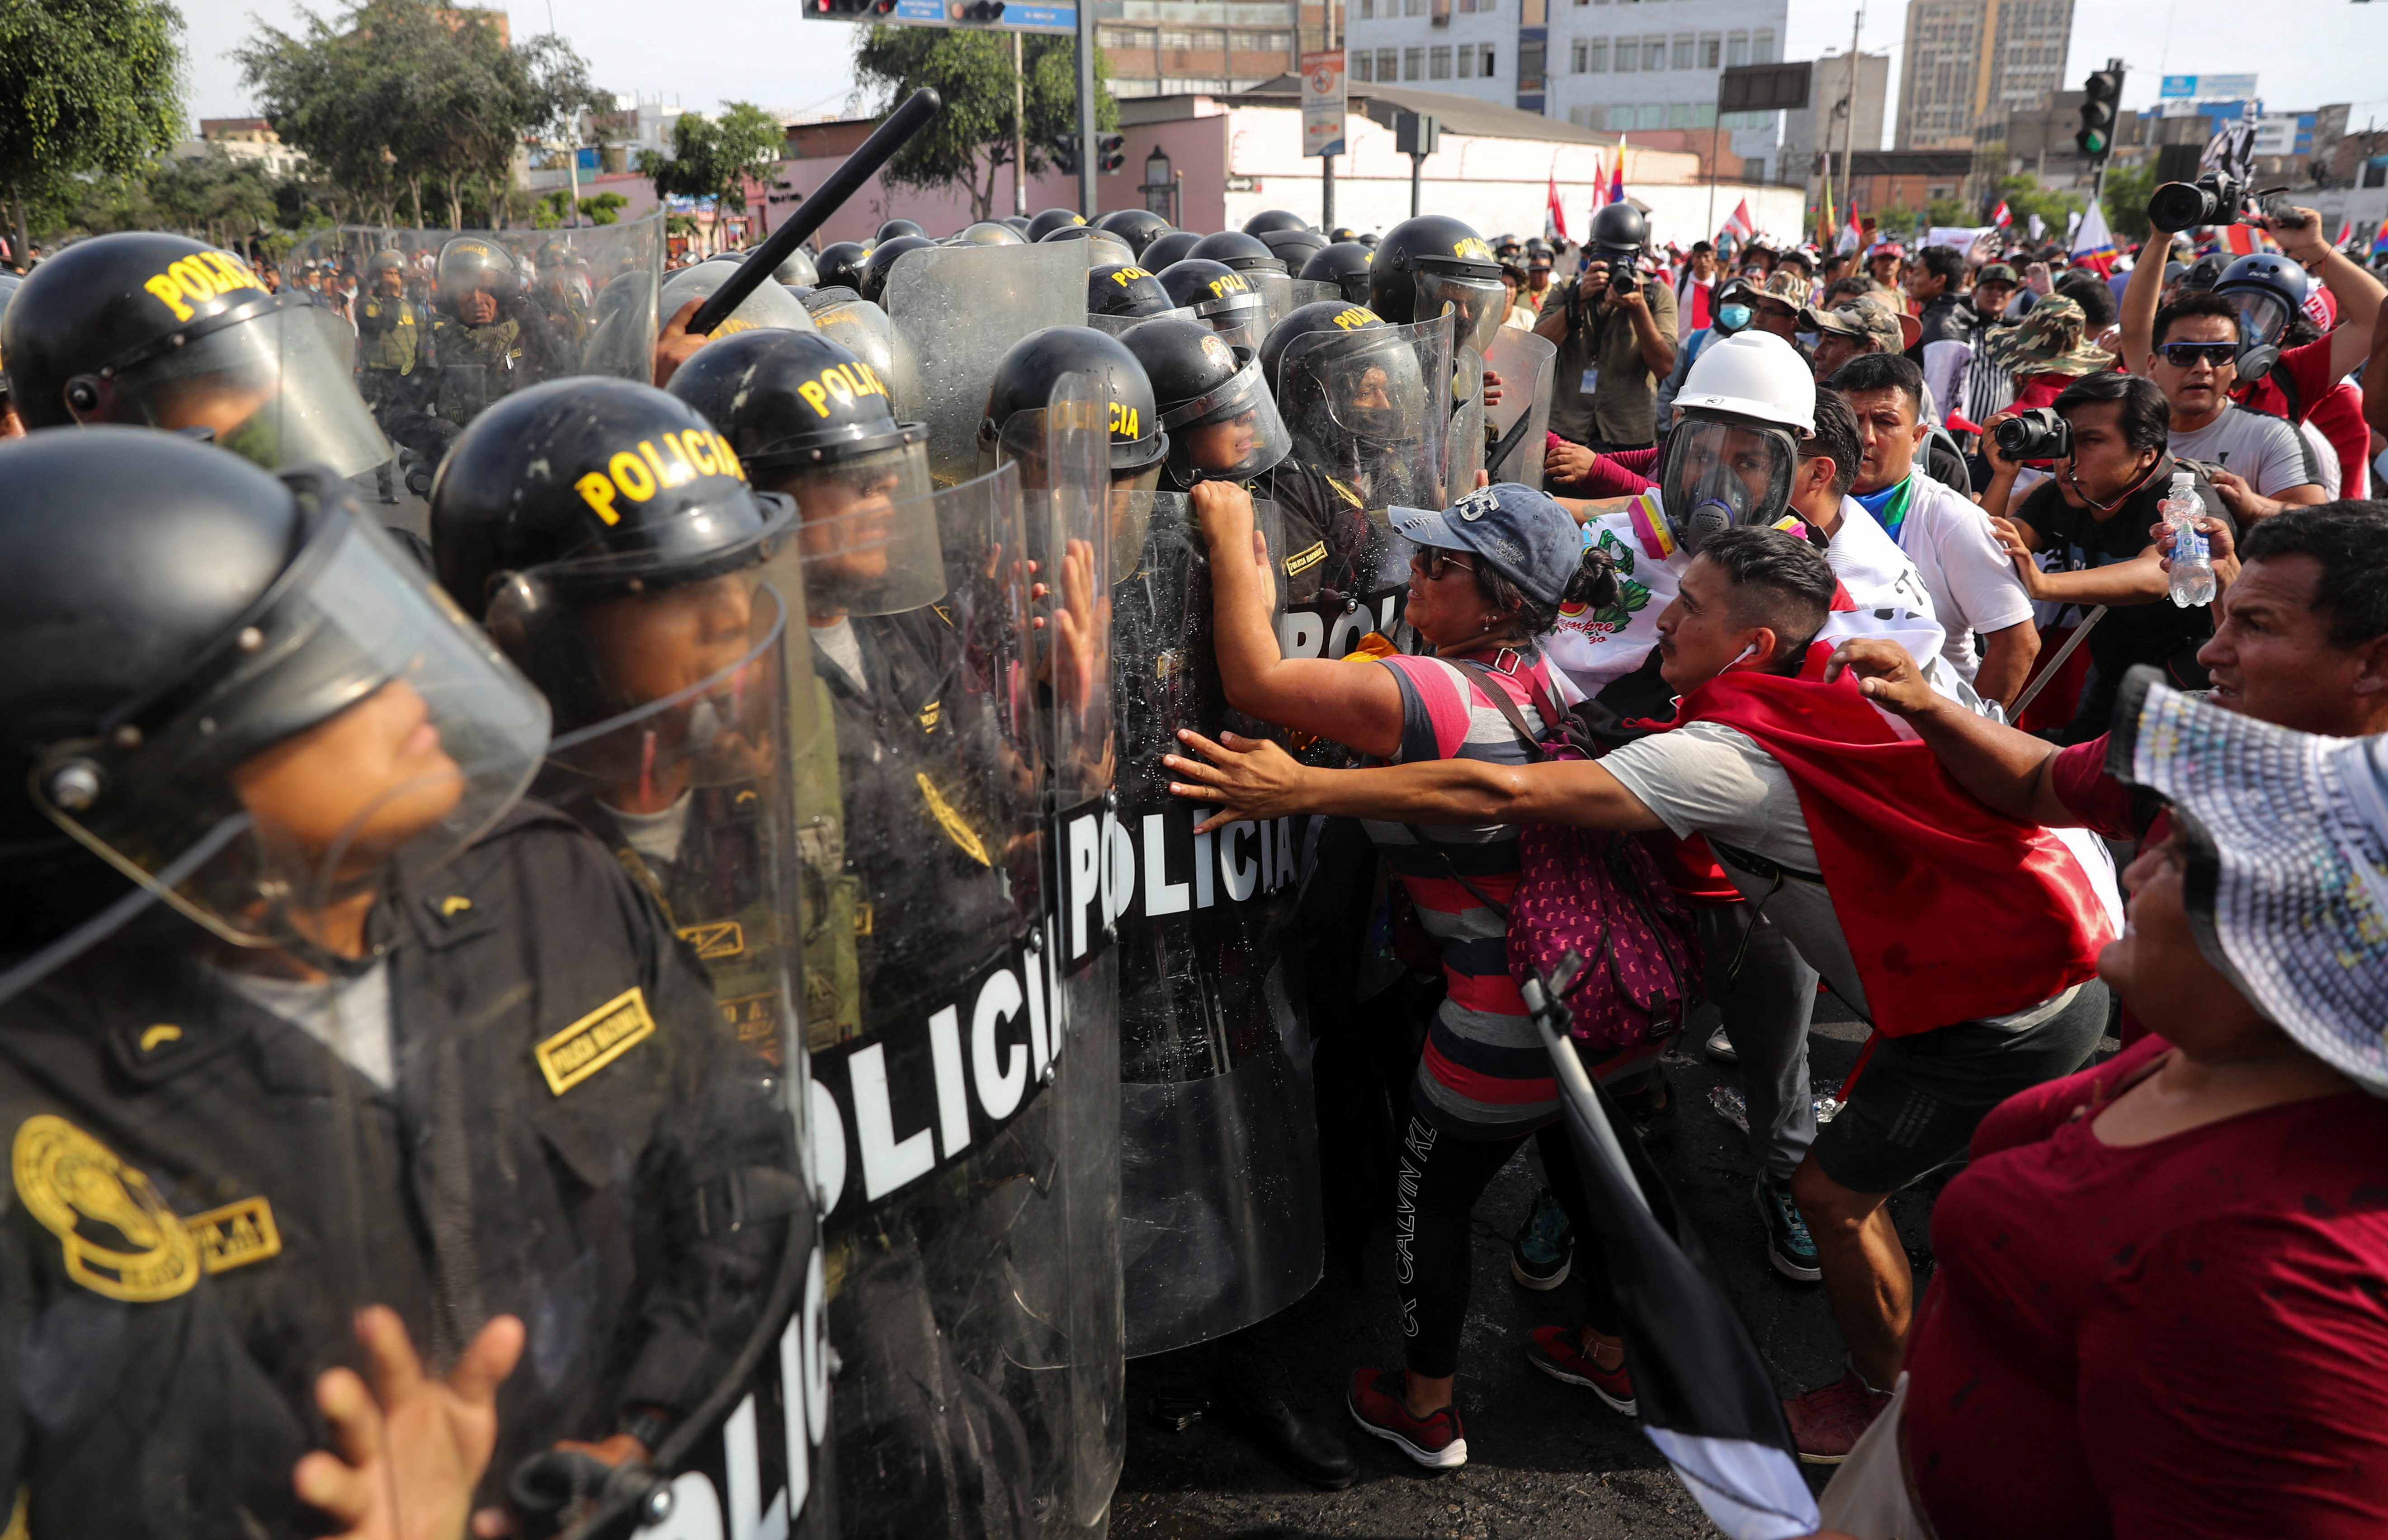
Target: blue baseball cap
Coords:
[(1519, 533)]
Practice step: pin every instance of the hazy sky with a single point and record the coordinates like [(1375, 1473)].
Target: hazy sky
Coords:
[(2303, 52)]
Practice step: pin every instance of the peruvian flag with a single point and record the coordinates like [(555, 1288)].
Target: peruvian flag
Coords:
[(2000, 216), (1852, 236), (2240, 238), (1913, 862), (1600, 193), (2345, 234), (1558, 215), (1737, 223)]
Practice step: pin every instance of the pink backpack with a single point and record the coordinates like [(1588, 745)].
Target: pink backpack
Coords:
[(1598, 894)]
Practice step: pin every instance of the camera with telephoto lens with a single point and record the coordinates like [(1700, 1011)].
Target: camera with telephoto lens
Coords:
[(2037, 433), (2216, 198)]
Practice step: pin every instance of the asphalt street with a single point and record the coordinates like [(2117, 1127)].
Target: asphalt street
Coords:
[(1545, 1459)]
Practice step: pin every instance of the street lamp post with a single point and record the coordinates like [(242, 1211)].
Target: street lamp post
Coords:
[(1160, 187)]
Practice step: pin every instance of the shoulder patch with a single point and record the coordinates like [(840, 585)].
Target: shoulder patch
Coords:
[(120, 1238), (1305, 561), (595, 1041)]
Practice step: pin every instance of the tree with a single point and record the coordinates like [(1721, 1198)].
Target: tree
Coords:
[(711, 158), (971, 69), (91, 87), (554, 210), (2125, 200)]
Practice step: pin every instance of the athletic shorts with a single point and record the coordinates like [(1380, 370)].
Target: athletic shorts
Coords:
[(1919, 1098)]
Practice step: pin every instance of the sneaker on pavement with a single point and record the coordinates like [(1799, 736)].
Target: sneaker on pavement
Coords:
[(1788, 1244), (1558, 1352), (1379, 1406), (1544, 1248), (1720, 1048), (1827, 1423)]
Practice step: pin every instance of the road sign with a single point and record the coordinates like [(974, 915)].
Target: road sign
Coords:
[(2207, 88), (999, 16), (1322, 103), (1763, 87)]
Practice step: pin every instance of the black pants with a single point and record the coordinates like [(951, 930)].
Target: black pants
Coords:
[(1439, 1179)]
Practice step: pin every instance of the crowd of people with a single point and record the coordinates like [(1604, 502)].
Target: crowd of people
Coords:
[(599, 887)]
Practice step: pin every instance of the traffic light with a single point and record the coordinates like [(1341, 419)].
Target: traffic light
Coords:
[(1063, 149), (1111, 152), (2102, 95), (846, 11), (980, 10)]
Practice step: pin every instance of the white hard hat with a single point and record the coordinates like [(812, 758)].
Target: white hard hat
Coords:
[(1753, 374)]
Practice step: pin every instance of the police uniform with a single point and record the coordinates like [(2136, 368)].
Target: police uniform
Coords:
[(204, 1191)]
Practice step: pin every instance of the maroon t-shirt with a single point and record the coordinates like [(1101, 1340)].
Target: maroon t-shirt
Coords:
[(2105, 806), (2182, 1339)]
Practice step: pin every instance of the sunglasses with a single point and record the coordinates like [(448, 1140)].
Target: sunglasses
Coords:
[(1434, 561), (2184, 355)]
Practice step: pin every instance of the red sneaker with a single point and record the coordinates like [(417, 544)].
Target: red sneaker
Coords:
[(1827, 1423), (1377, 1404), (1558, 1352)]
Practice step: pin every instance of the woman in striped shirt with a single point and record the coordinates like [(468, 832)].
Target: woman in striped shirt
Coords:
[(1486, 584)]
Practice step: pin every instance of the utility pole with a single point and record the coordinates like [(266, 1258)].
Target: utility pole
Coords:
[(1849, 130), (1019, 131), (1088, 148), (1325, 162)]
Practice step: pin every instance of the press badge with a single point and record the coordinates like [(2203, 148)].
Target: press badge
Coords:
[(1591, 381)]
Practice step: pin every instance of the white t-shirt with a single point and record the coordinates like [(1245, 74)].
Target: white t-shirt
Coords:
[(2333, 479), (350, 1016), (1972, 583), (842, 647), (656, 836), (2263, 449)]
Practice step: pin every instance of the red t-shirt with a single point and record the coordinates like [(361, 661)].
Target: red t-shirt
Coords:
[(2182, 1339), (2335, 408)]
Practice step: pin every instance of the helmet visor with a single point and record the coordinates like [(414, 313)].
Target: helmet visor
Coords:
[(356, 721), (1481, 302), (1240, 315), (2262, 317), (769, 305), (1721, 474), (1116, 325), (277, 389), (863, 330), (1233, 434), (1360, 408), (868, 541)]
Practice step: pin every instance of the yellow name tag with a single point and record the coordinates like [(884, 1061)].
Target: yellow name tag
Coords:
[(595, 1041), (719, 939), (235, 1235), (1305, 561)]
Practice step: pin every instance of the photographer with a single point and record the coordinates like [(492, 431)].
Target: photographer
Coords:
[(1615, 337), (2107, 434)]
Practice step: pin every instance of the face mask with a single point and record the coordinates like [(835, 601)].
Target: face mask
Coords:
[(1732, 318)]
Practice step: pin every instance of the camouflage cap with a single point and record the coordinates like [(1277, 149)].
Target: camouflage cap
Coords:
[(2048, 340), (1792, 288), (1861, 316)]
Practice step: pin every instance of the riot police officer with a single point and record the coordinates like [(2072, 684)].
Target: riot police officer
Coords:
[(488, 339), (1121, 294), (391, 333), (1222, 424), (1343, 264), (1138, 227), (1226, 301), (392, 1037), (169, 333)]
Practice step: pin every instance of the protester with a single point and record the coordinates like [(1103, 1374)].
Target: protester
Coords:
[(1488, 583), (1694, 289), (1851, 330), (1735, 309), (1935, 286), (2044, 352), (1973, 587), (1765, 762), (2214, 1182)]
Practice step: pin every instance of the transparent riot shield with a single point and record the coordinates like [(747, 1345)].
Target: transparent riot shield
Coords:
[(1220, 1223), (1311, 291), (428, 360), (961, 309), (769, 305), (863, 329), (945, 1150), (1467, 454), (1116, 325), (1524, 361), (686, 711), (1277, 296), (1368, 410)]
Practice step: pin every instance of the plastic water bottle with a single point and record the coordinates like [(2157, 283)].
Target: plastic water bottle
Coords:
[(2192, 568)]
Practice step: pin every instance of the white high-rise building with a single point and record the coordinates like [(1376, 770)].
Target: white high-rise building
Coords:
[(1619, 65)]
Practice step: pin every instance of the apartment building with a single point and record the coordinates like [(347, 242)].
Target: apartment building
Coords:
[(1972, 63)]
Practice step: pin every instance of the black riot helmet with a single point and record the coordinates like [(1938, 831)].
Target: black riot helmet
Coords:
[(1354, 381), (1220, 297), (1233, 248), (840, 265), (1018, 221), (1123, 291), (1506, 247), (890, 229), (1270, 220), (1342, 233), (168, 613), (1168, 247), (591, 467), (1047, 221), (799, 272), (1024, 383), (1345, 264), (1293, 247), (384, 260), (1108, 248), (1369, 239), (470, 263), (988, 233), (1135, 226), (1221, 420), (1432, 260), (1619, 229), (165, 332), (882, 258)]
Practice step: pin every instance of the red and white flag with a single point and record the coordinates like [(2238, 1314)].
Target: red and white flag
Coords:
[(2000, 216), (2345, 234), (1737, 223), (1558, 215)]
